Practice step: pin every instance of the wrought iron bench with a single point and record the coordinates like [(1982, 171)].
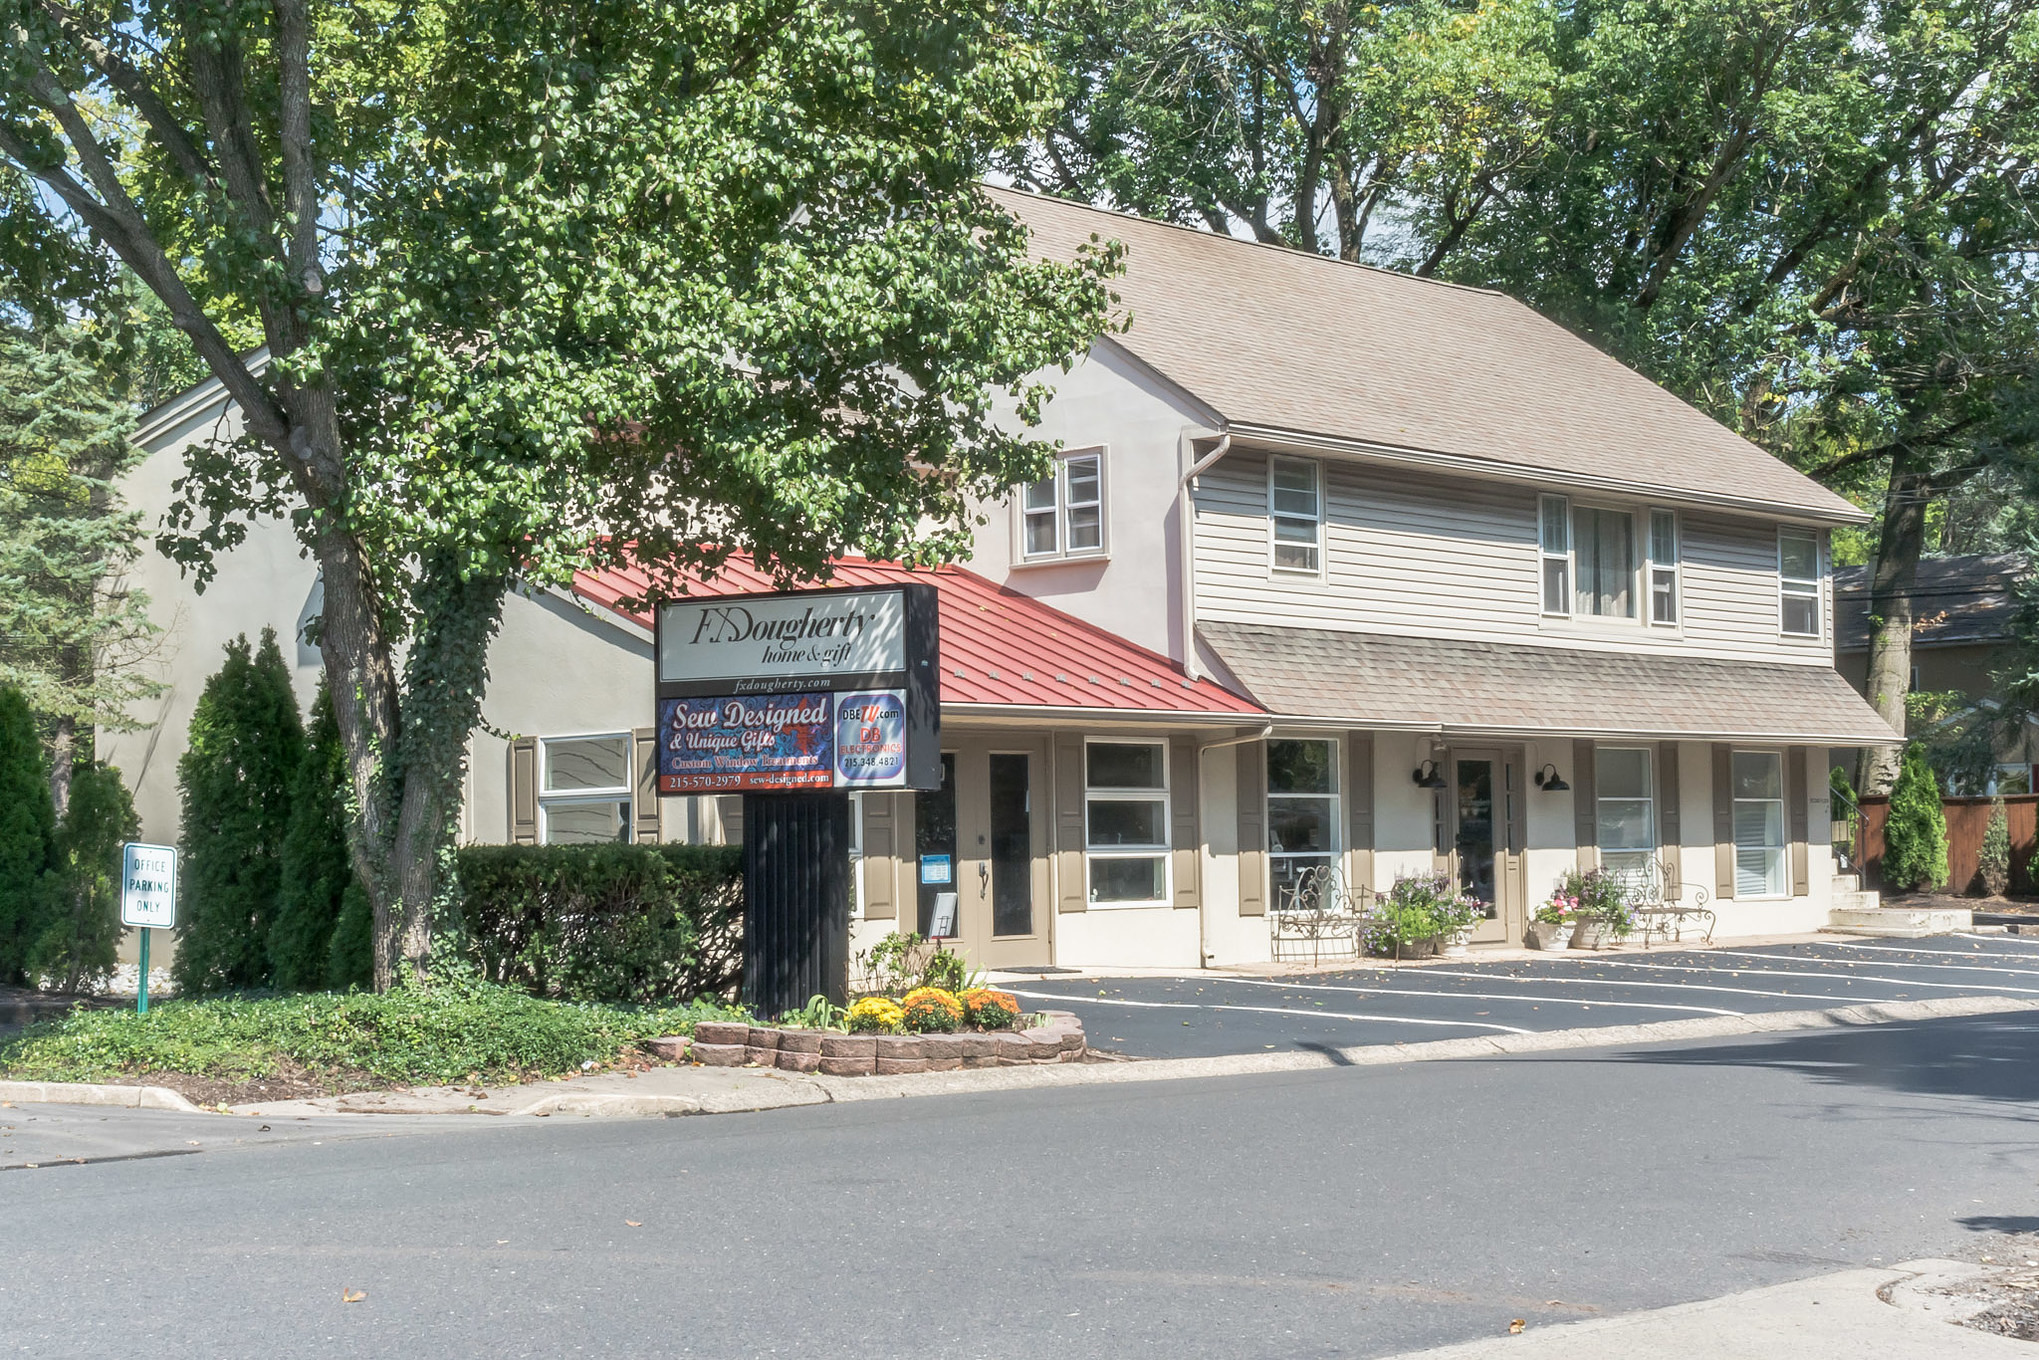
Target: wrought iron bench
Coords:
[(1657, 900), (1318, 917)]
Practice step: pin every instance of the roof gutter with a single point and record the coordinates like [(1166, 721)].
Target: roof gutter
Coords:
[(1185, 518), (1488, 469)]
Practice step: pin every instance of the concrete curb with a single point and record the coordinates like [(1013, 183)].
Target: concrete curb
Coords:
[(82, 1093), (792, 1090)]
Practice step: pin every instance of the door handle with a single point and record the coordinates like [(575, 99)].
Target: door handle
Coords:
[(983, 878)]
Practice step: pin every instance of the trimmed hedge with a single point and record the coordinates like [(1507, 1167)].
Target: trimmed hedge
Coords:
[(633, 923)]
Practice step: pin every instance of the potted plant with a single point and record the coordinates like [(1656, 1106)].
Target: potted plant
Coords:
[(1603, 912), (1422, 913), (1552, 924)]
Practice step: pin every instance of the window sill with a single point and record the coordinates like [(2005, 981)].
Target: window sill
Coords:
[(1060, 560), (1128, 906)]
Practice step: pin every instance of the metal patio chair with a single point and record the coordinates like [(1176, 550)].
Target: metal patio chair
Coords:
[(1316, 918), (1657, 900)]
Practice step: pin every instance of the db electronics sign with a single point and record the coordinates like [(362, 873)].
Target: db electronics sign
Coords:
[(813, 689)]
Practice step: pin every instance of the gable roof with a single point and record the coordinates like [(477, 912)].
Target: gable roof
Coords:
[(999, 649), (1956, 601), (1286, 342)]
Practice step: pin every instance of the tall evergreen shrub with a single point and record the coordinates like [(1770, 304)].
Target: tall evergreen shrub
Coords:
[(247, 745), (316, 871), (27, 835), (1915, 833), (1993, 862), (80, 932)]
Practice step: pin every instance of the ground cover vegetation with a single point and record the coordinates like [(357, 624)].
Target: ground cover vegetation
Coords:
[(502, 289), (459, 1027), (1815, 221)]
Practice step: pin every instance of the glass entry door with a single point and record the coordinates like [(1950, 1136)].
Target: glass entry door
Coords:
[(1485, 818), (982, 848)]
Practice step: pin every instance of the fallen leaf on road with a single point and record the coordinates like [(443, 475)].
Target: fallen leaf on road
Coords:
[(352, 1296), (1515, 1326), (632, 1223)]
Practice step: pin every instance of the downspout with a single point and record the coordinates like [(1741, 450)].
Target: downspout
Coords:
[(1185, 518), (1203, 919)]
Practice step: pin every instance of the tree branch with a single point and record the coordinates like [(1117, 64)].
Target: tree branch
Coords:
[(129, 81)]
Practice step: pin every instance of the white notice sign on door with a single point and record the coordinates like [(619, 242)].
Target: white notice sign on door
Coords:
[(148, 886)]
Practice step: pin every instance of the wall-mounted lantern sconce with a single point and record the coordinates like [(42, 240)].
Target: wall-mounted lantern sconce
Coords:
[(1427, 775), (1550, 781)]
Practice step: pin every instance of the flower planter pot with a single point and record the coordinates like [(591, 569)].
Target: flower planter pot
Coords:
[(1592, 934), (1555, 937), (1456, 945)]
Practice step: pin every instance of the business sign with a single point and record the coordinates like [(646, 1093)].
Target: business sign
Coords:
[(806, 690), (148, 886)]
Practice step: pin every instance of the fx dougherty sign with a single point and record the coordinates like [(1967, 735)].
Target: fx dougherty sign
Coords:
[(804, 690)]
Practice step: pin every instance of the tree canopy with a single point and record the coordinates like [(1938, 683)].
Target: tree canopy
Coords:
[(537, 284)]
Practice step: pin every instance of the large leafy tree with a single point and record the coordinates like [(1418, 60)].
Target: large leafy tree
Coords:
[(540, 282), (72, 632), (1299, 124)]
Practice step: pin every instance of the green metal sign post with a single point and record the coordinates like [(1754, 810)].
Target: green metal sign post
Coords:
[(148, 900)]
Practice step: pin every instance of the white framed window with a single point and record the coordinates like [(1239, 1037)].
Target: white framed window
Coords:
[(1302, 810), (1063, 515), (1295, 512), (1627, 810), (584, 789), (1663, 567), (1125, 822), (1798, 582), (1603, 562), (1554, 542), (857, 856), (1760, 846)]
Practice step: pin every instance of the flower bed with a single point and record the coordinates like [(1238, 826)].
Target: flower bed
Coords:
[(1057, 1038)]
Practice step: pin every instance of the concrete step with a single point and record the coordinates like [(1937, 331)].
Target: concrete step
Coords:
[(1855, 900), (1898, 923), (1847, 883)]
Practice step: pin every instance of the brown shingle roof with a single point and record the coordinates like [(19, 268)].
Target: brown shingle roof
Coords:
[(1307, 345), (1369, 679), (1956, 601)]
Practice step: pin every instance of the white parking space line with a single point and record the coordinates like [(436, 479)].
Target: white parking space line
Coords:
[(1268, 1010), (1668, 986), (1885, 955), (1525, 997), (2009, 944), (1969, 987), (1993, 956)]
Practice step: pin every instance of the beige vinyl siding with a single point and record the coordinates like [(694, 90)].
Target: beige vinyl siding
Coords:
[(1432, 556)]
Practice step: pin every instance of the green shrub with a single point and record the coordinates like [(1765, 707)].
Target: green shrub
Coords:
[(448, 1031), (28, 823), (606, 922), (80, 932), (1915, 831), (315, 872), (350, 960), (247, 743), (1993, 861)]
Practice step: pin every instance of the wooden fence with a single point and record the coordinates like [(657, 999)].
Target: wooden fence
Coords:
[(1967, 818)]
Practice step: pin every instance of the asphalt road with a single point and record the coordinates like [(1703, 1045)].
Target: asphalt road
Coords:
[(1198, 1015), (1358, 1211)]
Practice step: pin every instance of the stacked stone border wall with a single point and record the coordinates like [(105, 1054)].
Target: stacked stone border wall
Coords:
[(1057, 1039)]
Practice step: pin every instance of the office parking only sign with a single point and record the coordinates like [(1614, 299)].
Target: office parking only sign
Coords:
[(148, 886)]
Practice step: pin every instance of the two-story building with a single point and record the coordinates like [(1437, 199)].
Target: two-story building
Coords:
[(1338, 567)]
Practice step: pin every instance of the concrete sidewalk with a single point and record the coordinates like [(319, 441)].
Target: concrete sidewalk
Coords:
[(1829, 1317)]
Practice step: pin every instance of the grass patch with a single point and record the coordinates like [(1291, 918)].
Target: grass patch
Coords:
[(456, 1031)]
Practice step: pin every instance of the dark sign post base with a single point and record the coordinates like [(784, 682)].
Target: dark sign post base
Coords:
[(796, 885)]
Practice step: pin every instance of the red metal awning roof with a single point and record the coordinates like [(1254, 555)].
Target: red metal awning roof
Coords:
[(998, 648)]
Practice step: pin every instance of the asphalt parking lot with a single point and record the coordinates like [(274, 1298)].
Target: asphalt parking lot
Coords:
[(1203, 1015)]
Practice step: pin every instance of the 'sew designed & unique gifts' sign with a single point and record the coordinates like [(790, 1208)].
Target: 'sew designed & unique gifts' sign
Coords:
[(806, 690)]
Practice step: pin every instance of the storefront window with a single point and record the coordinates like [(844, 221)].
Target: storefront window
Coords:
[(1126, 820), (584, 798), (1759, 824), (1627, 812), (1302, 811)]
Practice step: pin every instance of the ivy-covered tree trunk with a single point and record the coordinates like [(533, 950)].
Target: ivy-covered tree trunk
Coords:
[(1892, 616)]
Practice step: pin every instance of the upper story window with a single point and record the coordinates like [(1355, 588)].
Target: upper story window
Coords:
[(1063, 515), (1603, 558), (1798, 582), (1663, 567), (1125, 815), (584, 789), (1554, 538), (1295, 510)]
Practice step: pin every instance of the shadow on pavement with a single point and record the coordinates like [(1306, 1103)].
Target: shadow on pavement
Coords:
[(1984, 1057), (2013, 1224)]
